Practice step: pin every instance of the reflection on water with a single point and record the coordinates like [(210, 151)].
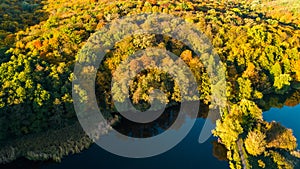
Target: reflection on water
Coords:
[(288, 116), (188, 154), (161, 124), (138, 130)]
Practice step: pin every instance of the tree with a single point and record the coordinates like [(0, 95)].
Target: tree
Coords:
[(276, 69), (255, 142), (250, 71), (245, 88), (282, 83), (296, 69), (280, 137), (247, 113), (228, 130)]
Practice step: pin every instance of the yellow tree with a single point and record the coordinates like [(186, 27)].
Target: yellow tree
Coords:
[(255, 143)]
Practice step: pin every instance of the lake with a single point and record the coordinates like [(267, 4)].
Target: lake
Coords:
[(188, 154)]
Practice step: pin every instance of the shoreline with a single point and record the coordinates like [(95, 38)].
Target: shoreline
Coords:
[(50, 145)]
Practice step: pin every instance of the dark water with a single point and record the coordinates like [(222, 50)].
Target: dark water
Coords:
[(188, 154), (287, 116)]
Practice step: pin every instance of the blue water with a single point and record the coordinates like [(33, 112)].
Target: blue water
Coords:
[(287, 116), (188, 154)]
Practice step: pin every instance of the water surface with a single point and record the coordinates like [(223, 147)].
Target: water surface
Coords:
[(188, 154)]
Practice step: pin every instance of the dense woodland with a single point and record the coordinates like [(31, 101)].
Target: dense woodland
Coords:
[(259, 45)]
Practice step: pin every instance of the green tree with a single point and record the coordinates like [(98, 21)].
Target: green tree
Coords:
[(228, 129), (282, 83), (245, 88)]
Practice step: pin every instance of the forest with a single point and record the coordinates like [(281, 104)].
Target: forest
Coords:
[(39, 45)]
